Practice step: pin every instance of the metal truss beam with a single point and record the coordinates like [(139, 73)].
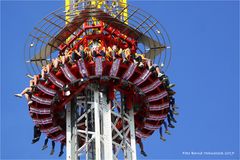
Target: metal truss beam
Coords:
[(95, 132)]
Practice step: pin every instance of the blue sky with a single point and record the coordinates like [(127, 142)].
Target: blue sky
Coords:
[(205, 67)]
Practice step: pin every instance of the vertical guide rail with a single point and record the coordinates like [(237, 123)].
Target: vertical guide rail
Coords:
[(107, 128), (69, 132), (123, 126), (71, 128), (132, 135), (86, 122), (71, 135), (97, 126), (129, 142)]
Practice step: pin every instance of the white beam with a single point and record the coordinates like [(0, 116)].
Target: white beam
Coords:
[(107, 129), (132, 135), (71, 133), (97, 126)]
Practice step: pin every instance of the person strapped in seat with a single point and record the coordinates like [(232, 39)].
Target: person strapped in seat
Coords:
[(78, 54), (98, 50), (138, 59)]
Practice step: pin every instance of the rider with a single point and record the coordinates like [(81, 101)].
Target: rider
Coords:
[(139, 141), (166, 131), (36, 134), (45, 146)]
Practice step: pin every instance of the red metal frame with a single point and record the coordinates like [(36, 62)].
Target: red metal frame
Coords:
[(108, 36)]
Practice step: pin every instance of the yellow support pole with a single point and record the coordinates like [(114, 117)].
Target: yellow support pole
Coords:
[(67, 13), (122, 4), (67, 10), (125, 13)]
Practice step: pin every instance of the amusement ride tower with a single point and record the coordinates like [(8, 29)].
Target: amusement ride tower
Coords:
[(100, 106)]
